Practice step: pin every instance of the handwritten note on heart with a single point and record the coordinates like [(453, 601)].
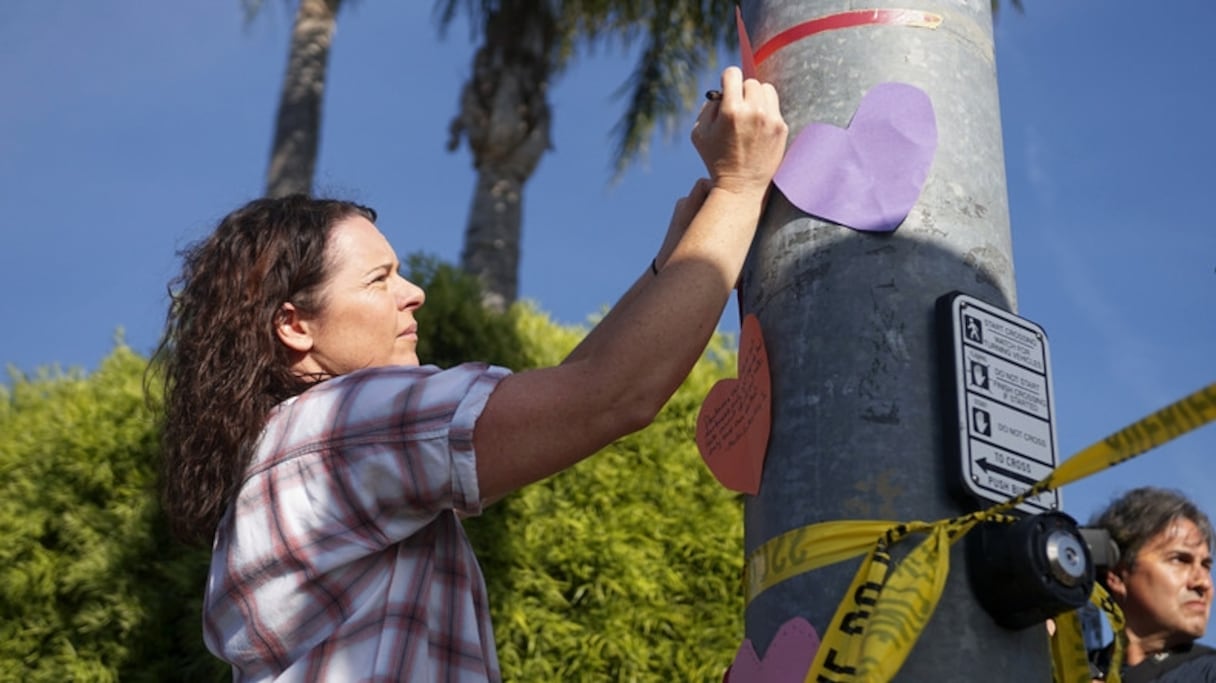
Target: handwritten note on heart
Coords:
[(867, 176), (735, 418), (787, 659)]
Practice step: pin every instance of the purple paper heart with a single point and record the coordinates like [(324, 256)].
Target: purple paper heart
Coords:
[(867, 176), (787, 660)]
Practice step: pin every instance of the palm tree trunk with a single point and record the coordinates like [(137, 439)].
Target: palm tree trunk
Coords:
[(492, 236), (505, 116), (293, 157)]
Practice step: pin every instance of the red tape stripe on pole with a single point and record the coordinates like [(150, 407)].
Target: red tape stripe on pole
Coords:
[(861, 17)]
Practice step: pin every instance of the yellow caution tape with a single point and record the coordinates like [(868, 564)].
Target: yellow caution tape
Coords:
[(1166, 424), (1069, 658), (885, 610)]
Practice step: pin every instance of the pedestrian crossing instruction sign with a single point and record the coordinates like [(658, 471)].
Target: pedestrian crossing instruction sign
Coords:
[(1001, 411)]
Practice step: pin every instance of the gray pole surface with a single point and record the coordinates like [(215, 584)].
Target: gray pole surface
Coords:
[(848, 322)]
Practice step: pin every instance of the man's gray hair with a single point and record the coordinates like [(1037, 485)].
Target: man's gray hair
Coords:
[(1140, 514)]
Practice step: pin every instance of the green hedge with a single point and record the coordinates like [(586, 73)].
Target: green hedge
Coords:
[(91, 587), (625, 568)]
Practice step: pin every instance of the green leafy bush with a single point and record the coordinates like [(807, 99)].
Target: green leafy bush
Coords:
[(453, 326), (625, 568), (628, 566), (91, 587)]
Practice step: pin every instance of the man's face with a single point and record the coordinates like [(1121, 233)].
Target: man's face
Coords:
[(1167, 594)]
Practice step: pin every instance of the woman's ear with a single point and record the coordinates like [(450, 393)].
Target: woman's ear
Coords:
[(291, 328)]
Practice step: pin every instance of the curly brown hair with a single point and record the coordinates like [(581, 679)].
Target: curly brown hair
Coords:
[(224, 366)]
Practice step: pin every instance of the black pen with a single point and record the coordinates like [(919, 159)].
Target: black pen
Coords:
[(713, 95)]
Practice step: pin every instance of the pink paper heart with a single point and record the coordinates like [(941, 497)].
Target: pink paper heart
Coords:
[(787, 659), (735, 418), (867, 176)]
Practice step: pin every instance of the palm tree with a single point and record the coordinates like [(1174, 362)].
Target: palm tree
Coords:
[(297, 133), (504, 111), (504, 116)]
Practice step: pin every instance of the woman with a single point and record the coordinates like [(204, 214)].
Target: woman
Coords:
[(329, 469)]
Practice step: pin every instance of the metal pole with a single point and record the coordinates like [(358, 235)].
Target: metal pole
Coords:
[(848, 321)]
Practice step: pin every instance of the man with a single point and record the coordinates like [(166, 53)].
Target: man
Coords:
[(1163, 584)]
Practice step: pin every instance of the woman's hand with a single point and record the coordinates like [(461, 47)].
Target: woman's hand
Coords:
[(741, 137)]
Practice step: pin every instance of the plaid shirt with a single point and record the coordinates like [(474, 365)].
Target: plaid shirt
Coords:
[(342, 558)]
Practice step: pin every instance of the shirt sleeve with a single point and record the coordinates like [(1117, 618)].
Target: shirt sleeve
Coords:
[(368, 459)]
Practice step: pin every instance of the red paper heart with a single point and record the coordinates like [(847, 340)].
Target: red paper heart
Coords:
[(735, 418), (746, 56), (787, 659)]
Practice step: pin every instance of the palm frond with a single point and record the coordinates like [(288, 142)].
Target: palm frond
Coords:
[(251, 8), (996, 7), (683, 40), (476, 11)]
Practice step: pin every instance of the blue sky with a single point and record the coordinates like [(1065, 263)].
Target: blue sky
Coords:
[(127, 129)]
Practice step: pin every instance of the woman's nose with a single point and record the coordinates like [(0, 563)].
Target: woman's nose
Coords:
[(409, 295)]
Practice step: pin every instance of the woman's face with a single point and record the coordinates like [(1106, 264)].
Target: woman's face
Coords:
[(366, 316)]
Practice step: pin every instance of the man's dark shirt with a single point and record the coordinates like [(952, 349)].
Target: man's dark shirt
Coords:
[(1191, 663)]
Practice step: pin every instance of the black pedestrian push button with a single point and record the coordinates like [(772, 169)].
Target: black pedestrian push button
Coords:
[(1028, 571)]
